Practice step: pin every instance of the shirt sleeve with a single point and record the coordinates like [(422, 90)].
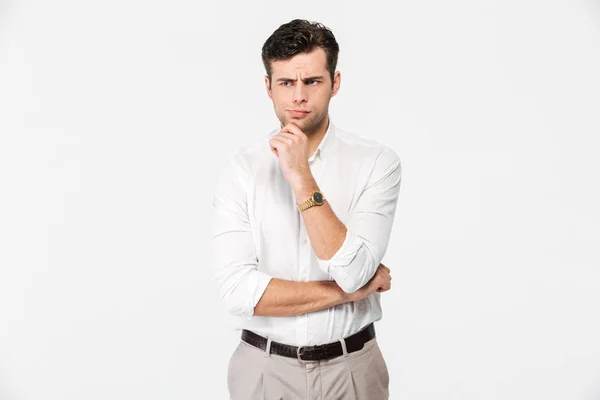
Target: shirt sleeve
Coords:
[(368, 226), (234, 259)]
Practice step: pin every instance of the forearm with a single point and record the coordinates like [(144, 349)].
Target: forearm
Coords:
[(324, 229), (350, 252), (288, 298), (327, 236)]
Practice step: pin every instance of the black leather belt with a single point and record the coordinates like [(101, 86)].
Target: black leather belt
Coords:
[(312, 353)]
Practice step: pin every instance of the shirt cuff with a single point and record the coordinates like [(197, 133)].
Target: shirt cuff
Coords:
[(345, 254), (257, 284)]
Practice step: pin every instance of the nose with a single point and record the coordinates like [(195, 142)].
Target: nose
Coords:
[(300, 92)]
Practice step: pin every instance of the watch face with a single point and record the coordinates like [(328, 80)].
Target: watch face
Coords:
[(318, 198)]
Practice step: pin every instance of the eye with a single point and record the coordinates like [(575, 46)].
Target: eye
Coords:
[(284, 83), (313, 80)]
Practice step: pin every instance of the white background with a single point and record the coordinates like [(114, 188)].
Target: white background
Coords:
[(115, 115)]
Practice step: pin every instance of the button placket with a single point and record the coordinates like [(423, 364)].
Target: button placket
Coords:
[(304, 260), (301, 320), (304, 255)]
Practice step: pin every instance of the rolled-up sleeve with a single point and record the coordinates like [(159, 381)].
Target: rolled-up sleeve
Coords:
[(234, 260), (368, 226)]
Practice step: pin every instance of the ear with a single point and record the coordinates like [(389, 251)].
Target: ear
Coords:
[(267, 85), (337, 81)]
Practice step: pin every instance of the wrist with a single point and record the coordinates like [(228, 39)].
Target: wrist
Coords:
[(304, 188), (344, 297)]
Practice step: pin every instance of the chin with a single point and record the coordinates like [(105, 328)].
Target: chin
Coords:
[(299, 122)]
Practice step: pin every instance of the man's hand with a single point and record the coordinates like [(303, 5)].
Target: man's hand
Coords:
[(290, 145), (380, 282)]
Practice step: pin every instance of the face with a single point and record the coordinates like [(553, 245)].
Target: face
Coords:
[(302, 83)]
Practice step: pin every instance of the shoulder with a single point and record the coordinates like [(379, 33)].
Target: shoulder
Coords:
[(369, 150)]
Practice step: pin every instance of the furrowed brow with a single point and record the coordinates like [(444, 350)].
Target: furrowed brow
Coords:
[(310, 78)]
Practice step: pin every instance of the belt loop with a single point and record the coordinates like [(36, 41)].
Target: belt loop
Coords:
[(268, 349), (344, 350)]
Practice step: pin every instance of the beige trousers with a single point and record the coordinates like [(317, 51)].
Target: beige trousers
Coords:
[(254, 375)]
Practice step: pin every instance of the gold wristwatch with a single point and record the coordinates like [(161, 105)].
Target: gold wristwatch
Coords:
[(316, 199)]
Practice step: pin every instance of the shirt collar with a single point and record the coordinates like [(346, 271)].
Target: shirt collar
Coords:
[(326, 142)]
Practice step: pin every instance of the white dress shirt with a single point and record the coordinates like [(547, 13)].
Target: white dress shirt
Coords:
[(259, 234)]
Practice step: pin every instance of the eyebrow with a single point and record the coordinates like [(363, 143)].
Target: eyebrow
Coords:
[(305, 79)]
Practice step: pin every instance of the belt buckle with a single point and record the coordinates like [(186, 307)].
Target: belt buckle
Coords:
[(299, 355), (317, 347)]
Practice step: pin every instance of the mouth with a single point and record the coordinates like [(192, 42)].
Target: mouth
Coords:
[(298, 113)]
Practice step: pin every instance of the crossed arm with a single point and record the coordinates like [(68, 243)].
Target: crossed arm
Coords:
[(286, 298), (351, 254)]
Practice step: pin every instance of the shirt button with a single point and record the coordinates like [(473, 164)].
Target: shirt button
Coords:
[(304, 241)]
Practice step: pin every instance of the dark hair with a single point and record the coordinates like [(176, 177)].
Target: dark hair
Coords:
[(300, 36)]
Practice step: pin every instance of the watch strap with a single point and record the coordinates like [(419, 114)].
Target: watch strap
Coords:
[(306, 205), (310, 202)]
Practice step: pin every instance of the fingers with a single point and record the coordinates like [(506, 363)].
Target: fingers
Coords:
[(384, 271), (283, 141), (384, 280), (278, 142), (384, 267), (288, 135), (280, 139), (293, 129), (292, 132), (386, 286), (381, 281)]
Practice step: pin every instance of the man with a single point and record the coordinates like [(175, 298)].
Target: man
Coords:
[(302, 219)]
